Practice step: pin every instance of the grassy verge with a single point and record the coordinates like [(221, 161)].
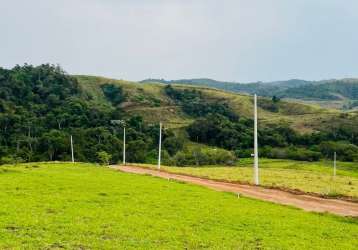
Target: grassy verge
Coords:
[(81, 206), (314, 177)]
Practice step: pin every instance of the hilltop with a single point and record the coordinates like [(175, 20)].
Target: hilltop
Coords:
[(337, 93)]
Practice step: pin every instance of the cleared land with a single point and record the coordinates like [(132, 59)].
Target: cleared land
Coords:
[(81, 206), (311, 177)]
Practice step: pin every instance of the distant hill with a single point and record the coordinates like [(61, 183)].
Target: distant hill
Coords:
[(260, 88), (335, 90)]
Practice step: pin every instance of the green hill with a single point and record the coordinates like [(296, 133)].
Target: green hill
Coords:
[(42, 106)]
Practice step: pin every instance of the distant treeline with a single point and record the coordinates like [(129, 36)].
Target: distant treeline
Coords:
[(298, 89)]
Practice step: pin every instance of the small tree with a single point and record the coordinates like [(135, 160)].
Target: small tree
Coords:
[(104, 157), (275, 99)]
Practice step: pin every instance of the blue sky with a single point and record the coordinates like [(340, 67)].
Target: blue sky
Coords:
[(233, 40)]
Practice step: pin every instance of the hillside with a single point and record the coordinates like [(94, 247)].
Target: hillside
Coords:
[(42, 106), (343, 92), (151, 97), (150, 101)]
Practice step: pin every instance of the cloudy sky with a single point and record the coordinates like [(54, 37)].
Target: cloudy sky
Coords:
[(233, 40)]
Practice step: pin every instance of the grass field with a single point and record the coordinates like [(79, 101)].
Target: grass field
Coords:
[(315, 177), (82, 206)]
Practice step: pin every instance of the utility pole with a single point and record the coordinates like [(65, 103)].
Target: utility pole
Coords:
[(334, 164), (73, 158), (160, 145), (122, 122), (256, 151), (124, 145)]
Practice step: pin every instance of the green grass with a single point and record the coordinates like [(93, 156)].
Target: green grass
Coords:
[(53, 206), (315, 177)]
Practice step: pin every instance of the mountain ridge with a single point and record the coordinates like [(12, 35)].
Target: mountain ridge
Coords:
[(344, 90)]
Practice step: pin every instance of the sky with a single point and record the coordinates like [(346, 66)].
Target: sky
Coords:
[(231, 40)]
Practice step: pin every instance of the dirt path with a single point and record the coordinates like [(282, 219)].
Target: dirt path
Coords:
[(305, 202)]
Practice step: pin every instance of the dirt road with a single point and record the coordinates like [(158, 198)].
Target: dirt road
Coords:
[(305, 202)]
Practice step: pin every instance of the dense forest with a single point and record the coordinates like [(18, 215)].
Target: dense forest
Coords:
[(41, 107)]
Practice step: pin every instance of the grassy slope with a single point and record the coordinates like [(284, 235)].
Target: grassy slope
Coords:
[(147, 100), (150, 101), (313, 177), (80, 207)]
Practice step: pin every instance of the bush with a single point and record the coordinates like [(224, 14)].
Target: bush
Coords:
[(244, 153), (11, 160), (173, 144), (7, 160), (302, 154), (104, 158), (201, 157), (183, 159), (293, 153), (152, 157), (344, 150)]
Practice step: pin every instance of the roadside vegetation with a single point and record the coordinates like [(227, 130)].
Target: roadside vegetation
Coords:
[(92, 207)]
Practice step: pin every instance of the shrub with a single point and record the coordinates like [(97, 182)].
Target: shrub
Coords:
[(244, 153), (10, 160), (104, 158), (7, 160), (345, 151), (183, 159), (173, 144), (293, 153), (201, 157)]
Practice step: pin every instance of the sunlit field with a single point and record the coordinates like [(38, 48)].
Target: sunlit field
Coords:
[(84, 206), (315, 177)]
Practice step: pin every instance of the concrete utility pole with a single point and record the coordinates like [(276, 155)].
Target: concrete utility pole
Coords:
[(256, 151), (334, 164), (73, 158), (122, 122), (124, 145), (160, 145)]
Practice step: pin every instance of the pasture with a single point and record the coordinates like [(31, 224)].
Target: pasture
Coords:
[(85, 206)]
